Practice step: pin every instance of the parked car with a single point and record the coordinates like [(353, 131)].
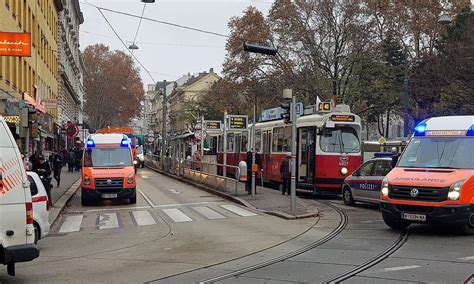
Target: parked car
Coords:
[(16, 209), (365, 183), (41, 206)]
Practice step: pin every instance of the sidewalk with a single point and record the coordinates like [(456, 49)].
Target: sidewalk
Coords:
[(266, 200), (67, 180)]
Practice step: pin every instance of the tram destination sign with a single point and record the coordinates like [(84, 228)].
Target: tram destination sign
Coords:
[(214, 125), (238, 122), (343, 117)]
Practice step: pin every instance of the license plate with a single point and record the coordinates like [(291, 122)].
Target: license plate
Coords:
[(111, 195), (414, 217)]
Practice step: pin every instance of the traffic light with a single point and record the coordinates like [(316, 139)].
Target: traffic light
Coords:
[(255, 48), (286, 115)]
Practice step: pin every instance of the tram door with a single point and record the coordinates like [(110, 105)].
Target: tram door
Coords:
[(306, 151), (266, 158), (238, 143)]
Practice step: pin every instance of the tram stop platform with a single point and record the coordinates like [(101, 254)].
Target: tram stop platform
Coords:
[(267, 200)]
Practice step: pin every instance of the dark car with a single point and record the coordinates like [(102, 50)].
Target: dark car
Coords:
[(366, 182)]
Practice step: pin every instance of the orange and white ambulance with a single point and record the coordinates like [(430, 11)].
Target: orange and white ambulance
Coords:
[(107, 169), (17, 233), (433, 182)]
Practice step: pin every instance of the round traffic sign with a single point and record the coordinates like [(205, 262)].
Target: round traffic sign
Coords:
[(72, 130)]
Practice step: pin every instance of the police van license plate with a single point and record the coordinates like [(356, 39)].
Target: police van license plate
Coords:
[(110, 195), (413, 217)]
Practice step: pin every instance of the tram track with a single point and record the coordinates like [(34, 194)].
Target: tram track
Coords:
[(335, 232)]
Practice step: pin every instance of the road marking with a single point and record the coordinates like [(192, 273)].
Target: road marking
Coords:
[(147, 199), (108, 221), (176, 215), (208, 213), (112, 209), (398, 268), (71, 224), (143, 218), (174, 191), (186, 204), (237, 210), (467, 258)]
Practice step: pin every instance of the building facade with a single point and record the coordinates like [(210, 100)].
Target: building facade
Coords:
[(71, 69), (35, 78)]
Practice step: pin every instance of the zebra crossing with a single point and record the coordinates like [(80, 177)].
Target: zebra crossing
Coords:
[(96, 220)]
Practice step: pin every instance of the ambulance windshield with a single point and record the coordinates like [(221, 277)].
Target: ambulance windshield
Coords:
[(439, 152), (107, 157)]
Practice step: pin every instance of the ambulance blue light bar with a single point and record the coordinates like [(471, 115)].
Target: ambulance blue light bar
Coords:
[(124, 142), (470, 131), (90, 143), (420, 129), (383, 155)]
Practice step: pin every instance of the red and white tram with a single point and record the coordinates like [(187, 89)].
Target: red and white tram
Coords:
[(328, 148)]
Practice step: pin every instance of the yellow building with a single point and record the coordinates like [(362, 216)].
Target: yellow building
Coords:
[(37, 76), (34, 77)]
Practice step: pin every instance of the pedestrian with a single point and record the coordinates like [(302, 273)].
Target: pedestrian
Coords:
[(286, 174), (43, 169), (34, 160), (71, 160), (78, 159), (197, 160), (395, 157), (57, 166)]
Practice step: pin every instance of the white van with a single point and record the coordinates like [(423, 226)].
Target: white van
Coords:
[(17, 233)]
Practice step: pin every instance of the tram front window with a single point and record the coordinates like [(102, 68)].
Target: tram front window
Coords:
[(340, 140)]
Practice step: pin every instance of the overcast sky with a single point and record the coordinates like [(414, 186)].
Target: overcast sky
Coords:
[(166, 51)]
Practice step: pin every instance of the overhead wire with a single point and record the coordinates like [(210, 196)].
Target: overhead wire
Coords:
[(157, 21), (131, 53), (139, 23)]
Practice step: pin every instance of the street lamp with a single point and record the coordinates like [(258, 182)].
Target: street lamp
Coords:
[(445, 19), (133, 46)]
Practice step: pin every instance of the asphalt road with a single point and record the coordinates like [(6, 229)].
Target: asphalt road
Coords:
[(179, 234)]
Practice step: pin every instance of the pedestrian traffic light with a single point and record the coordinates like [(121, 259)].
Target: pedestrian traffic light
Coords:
[(255, 48), (286, 115)]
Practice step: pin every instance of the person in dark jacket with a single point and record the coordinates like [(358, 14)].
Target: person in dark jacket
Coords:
[(78, 158), (57, 166), (248, 160), (43, 169), (71, 160), (285, 172)]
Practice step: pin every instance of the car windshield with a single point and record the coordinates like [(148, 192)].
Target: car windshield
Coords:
[(439, 152), (340, 140), (107, 157)]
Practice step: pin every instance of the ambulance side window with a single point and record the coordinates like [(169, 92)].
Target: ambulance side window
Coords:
[(33, 188)]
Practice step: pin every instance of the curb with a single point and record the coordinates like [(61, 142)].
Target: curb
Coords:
[(234, 199), (59, 205)]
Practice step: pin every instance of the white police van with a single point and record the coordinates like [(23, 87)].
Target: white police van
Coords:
[(17, 233)]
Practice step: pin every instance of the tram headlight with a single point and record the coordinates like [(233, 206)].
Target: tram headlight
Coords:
[(385, 190), (455, 190), (344, 171)]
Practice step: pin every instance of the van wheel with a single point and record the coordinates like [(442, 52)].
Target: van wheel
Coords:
[(37, 232), (395, 224), (133, 200), (84, 201), (347, 196), (468, 228)]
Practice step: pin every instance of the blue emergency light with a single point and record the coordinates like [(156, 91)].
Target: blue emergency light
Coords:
[(383, 155), (90, 143), (470, 131), (420, 129), (124, 142)]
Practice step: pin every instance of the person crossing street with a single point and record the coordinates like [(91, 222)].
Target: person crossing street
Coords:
[(286, 174), (57, 165)]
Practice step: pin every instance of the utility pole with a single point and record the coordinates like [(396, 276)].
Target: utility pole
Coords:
[(202, 137), (288, 95), (224, 146), (254, 167), (163, 134)]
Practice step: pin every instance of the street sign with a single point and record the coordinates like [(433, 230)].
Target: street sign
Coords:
[(200, 135), (238, 122), (299, 108), (213, 124), (72, 130), (382, 140)]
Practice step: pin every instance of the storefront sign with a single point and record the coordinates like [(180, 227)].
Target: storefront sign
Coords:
[(34, 103), (213, 125), (15, 44), (50, 103), (238, 122)]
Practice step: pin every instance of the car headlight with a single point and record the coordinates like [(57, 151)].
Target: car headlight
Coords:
[(455, 190), (87, 180), (130, 178), (343, 171), (385, 190)]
